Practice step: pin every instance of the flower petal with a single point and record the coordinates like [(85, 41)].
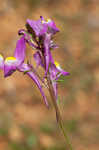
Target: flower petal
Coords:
[(37, 27), (38, 59), (60, 71), (51, 27), (52, 45), (1, 62), (40, 27), (28, 38), (10, 65), (55, 72), (47, 52), (19, 53)]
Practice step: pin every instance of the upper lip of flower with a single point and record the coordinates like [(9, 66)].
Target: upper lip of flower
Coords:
[(40, 27)]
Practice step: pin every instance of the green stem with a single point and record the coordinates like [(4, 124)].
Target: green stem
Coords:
[(58, 115)]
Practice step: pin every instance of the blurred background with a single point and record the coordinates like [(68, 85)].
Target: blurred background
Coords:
[(25, 122)]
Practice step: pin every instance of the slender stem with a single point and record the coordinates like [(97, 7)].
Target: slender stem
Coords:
[(58, 115)]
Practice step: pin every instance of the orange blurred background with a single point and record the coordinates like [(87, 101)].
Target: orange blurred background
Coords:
[(25, 123)]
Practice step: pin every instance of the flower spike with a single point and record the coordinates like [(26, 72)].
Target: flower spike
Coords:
[(39, 35)]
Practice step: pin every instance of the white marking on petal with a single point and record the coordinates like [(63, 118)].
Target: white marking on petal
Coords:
[(1, 62)]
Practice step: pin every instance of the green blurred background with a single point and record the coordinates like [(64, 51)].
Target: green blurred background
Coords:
[(25, 123)]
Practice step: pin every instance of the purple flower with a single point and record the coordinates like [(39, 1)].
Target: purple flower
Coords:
[(55, 72), (38, 59), (51, 27), (43, 57), (28, 38), (37, 27), (38, 34), (11, 64), (47, 53), (41, 32), (40, 27)]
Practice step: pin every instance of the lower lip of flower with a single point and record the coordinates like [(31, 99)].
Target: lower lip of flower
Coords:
[(10, 60)]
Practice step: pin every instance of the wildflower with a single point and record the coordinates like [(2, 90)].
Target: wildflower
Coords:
[(40, 27), (55, 72), (42, 32), (11, 64), (39, 35)]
